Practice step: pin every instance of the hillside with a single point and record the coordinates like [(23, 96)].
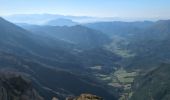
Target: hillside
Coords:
[(152, 45), (49, 81), (78, 35), (154, 85)]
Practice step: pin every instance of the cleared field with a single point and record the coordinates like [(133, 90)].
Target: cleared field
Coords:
[(125, 77), (120, 79), (96, 68)]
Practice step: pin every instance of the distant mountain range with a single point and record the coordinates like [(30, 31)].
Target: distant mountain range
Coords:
[(44, 18), (119, 28), (40, 19)]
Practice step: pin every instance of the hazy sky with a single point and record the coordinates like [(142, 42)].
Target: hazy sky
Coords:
[(100, 8)]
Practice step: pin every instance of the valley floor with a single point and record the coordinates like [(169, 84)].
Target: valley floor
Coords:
[(121, 79)]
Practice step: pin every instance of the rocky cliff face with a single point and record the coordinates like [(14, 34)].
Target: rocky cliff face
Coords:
[(15, 87)]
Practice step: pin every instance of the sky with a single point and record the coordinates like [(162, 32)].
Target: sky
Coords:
[(96, 8)]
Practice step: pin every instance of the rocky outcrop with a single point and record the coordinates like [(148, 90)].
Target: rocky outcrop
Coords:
[(85, 97), (16, 87)]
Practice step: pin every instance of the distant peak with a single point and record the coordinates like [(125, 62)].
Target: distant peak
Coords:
[(61, 22)]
